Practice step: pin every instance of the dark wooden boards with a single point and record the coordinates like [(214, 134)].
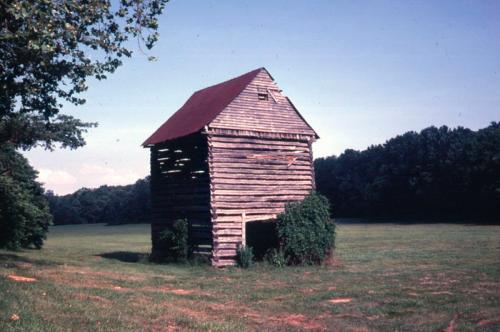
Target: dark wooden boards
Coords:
[(183, 194)]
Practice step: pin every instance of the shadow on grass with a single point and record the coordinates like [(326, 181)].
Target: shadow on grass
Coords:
[(126, 256), (12, 260)]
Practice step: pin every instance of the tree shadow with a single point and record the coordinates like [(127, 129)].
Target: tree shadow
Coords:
[(126, 256), (13, 261)]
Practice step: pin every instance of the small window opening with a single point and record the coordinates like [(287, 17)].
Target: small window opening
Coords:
[(262, 93), (263, 96)]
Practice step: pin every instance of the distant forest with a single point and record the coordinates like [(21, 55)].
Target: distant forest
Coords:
[(436, 173), (107, 204)]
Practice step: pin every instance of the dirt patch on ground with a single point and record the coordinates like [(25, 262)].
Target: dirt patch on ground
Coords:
[(20, 278), (452, 325), (487, 317), (81, 277), (306, 291), (298, 321), (106, 274), (215, 311), (172, 290), (340, 300), (442, 293)]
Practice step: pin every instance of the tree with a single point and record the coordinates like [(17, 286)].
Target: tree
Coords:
[(438, 172), (24, 212), (48, 51)]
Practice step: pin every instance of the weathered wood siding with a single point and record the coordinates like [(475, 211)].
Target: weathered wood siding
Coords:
[(248, 113), (252, 178), (244, 165), (259, 158), (180, 190)]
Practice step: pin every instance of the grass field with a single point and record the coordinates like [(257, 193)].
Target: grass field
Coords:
[(429, 277)]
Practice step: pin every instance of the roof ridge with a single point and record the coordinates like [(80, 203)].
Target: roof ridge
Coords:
[(212, 100), (231, 79)]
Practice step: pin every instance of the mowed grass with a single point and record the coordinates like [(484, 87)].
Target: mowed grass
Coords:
[(428, 277)]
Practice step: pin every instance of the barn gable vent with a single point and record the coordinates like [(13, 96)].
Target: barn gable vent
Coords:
[(262, 93)]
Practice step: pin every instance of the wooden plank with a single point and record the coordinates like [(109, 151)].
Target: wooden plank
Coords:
[(225, 252), (253, 166), (262, 182), (256, 141), (268, 198), (214, 131), (247, 205), (226, 239), (261, 188), (226, 231), (219, 171), (248, 145), (225, 246), (260, 192), (259, 161), (223, 262), (220, 219)]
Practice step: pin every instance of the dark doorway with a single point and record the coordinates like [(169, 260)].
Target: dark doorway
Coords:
[(261, 236)]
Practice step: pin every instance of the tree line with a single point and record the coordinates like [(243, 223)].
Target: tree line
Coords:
[(436, 173), (107, 204)]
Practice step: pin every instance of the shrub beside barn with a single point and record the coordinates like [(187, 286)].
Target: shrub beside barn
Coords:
[(234, 153)]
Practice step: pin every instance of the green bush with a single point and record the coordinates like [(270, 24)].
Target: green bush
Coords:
[(244, 256), (24, 212), (305, 230), (276, 257), (175, 240)]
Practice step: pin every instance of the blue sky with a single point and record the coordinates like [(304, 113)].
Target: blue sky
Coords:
[(360, 72)]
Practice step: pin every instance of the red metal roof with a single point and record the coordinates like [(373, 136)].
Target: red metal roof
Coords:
[(201, 108)]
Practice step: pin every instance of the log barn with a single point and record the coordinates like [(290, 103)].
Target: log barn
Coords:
[(234, 153)]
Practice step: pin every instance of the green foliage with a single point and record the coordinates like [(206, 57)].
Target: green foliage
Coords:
[(175, 240), (305, 230), (439, 172), (244, 256), (24, 212), (276, 257), (48, 50), (107, 204)]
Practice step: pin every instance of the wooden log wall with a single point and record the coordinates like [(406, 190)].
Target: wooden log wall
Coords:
[(180, 190), (253, 178)]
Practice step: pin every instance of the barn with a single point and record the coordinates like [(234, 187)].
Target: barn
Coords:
[(234, 153)]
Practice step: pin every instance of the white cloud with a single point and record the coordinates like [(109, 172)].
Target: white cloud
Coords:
[(59, 180), (88, 175), (96, 175)]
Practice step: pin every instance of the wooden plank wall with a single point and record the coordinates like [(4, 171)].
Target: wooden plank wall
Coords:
[(180, 189), (253, 177), (249, 113)]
